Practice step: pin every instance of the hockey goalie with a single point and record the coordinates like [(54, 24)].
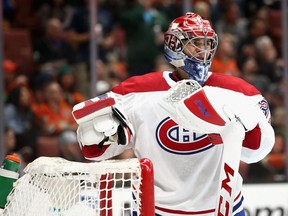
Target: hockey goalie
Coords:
[(195, 125)]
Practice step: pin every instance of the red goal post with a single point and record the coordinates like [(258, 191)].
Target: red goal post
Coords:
[(55, 186)]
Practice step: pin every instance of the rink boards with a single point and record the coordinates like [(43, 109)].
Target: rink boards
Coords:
[(259, 199), (266, 199)]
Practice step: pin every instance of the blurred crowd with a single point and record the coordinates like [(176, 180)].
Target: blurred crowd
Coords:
[(47, 63)]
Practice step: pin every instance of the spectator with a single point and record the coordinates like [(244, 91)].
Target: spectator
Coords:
[(78, 33), (275, 96), (55, 119), (251, 7), (52, 47), (203, 9), (272, 167), (9, 141), (171, 8), (144, 26), (59, 9), (9, 75), (114, 45), (266, 55), (18, 116), (275, 25), (66, 79), (250, 72), (109, 75), (275, 160), (9, 148), (256, 28), (53, 112), (224, 60), (232, 22)]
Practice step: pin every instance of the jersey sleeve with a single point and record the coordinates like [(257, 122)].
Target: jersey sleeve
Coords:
[(259, 141)]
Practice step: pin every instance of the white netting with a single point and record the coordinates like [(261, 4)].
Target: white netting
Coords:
[(181, 90), (57, 187)]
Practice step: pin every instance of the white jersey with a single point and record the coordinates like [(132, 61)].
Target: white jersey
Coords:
[(186, 163)]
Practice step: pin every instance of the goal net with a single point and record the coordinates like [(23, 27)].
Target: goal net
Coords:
[(54, 186)]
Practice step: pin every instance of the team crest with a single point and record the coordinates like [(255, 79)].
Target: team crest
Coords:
[(265, 107), (177, 140)]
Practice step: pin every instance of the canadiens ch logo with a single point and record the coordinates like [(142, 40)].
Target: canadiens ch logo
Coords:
[(177, 140)]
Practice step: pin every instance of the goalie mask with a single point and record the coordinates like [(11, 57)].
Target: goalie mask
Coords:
[(191, 30)]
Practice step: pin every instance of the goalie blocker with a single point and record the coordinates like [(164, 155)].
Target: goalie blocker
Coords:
[(101, 122)]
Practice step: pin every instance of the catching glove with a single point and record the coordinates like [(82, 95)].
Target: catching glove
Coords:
[(208, 109)]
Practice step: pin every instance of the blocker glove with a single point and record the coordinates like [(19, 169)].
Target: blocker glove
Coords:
[(101, 123)]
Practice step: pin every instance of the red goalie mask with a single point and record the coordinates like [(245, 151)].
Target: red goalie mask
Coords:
[(187, 30)]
